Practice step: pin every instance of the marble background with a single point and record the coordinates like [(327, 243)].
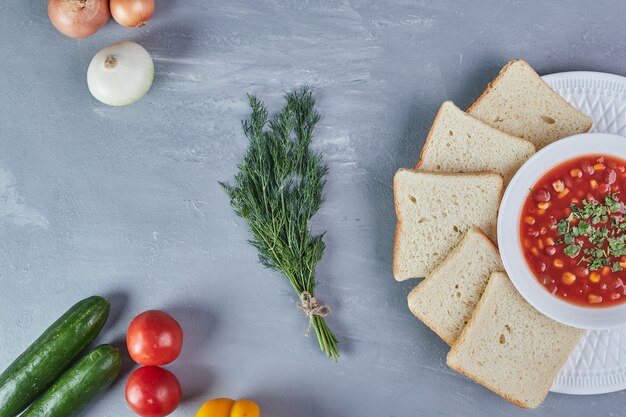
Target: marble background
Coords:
[(124, 202)]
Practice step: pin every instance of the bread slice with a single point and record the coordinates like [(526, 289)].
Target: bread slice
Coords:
[(519, 102), (457, 142), (446, 299), (435, 211), (511, 348)]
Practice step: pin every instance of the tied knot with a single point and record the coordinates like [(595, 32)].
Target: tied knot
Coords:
[(311, 306)]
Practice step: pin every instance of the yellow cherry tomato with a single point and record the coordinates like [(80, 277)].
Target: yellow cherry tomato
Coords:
[(225, 407), (245, 408)]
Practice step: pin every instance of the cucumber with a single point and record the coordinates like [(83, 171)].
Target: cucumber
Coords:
[(46, 359), (80, 385)]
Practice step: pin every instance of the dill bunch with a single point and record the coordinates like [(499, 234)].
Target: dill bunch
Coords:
[(277, 191)]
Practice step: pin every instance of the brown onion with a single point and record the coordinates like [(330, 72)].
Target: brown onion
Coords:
[(78, 18), (132, 13)]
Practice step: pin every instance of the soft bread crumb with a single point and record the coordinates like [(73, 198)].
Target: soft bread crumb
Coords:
[(457, 142), (511, 348), (446, 299), (520, 103), (434, 211)]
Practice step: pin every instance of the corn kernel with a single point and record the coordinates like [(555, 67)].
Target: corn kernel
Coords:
[(529, 220), (558, 263), (594, 184), (598, 167), (594, 277), (540, 244), (535, 251), (564, 193), (606, 271), (622, 264), (543, 205), (594, 299), (549, 241), (558, 186), (568, 278), (576, 173), (540, 212)]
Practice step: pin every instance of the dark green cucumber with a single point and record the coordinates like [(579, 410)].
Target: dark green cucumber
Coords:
[(80, 385), (46, 359)]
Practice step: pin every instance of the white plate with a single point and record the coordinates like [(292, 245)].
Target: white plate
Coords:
[(598, 364), (509, 237)]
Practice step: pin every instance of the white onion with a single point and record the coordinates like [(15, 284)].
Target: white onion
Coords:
[(120, 74)]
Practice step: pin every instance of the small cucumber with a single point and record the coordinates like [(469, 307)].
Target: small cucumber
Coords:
[(80, 385), (46, 359)]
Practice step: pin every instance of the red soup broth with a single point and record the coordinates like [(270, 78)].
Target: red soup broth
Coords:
[(573, 231)]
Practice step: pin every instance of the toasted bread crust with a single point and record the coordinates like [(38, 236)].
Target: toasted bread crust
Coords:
[(501, 74), (429, 136), (489, 87), (398, 227), (491, 388), (395, 250), (439, 115), (426, 321)]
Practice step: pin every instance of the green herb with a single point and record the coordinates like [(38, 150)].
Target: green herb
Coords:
[(278, 189), (584, 228), (592, 218), (617, 246), (572, 250), (612, 204), (598, 263), (562, 227)]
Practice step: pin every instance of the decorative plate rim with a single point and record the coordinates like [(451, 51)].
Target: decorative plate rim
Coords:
[(572, 381)]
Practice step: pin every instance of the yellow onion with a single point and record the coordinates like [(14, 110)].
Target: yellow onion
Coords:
[(78, 18), (132, 13)]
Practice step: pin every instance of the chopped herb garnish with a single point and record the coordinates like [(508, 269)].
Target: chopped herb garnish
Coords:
[(588, 224), (562, 227), (572, 250)]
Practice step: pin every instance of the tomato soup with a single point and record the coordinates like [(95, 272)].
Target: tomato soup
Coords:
[(573, 231)]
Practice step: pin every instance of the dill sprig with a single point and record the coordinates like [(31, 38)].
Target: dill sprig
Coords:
[(278, 189)]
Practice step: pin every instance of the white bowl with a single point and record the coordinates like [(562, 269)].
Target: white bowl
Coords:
[(509, 231)]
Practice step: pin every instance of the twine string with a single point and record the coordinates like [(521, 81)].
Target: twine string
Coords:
[(311, 306)]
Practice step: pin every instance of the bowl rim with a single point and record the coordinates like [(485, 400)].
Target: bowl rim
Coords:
[(509, 242)]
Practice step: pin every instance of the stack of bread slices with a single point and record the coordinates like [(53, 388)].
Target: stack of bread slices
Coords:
[(447, 208)]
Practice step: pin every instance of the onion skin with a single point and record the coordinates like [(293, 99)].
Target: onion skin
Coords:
[(120, 74), (132, 13), (78, 19)]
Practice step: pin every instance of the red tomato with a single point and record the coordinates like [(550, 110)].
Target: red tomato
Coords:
[(153, 392), (154, 338)]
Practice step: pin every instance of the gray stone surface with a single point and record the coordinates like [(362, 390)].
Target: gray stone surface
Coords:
[(124, 202)]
